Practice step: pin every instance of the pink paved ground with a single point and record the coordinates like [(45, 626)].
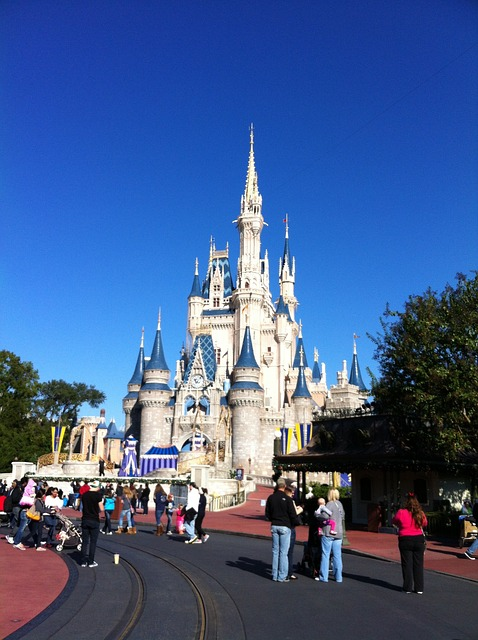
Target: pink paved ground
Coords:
[(24, 572)]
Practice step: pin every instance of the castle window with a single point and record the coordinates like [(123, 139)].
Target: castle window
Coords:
[(216, 302), (217, 288), (218, 356)]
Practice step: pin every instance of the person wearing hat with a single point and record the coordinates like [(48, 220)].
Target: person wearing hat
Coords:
[(90, 523), (281, 513)]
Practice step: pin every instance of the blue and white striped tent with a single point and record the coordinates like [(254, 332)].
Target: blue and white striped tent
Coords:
[(159, 458)]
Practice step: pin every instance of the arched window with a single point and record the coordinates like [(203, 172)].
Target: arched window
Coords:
[(189, 405), (205, 405)]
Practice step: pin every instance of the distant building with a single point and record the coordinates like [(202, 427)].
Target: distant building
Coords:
[(95, 438), (243, 373)]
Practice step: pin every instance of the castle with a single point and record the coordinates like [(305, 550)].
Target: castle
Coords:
[(243, 374)]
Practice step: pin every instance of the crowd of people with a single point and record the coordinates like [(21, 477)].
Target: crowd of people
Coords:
[(323, 551), (34, 511)]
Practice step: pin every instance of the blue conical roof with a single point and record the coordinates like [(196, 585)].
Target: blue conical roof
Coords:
[(114, 432), (355, 375), (286, 257), (196, 288), (300, 349), (157, 360), (301, 389), (137, 377), (247, 359), (283, 309), (316, 375)]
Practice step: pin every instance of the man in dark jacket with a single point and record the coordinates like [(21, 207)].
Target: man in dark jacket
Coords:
[(281, 513)]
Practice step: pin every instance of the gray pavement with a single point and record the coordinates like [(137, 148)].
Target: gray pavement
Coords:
[(156, 585)]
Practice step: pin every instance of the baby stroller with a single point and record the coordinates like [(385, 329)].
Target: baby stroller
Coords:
[(68, 535)]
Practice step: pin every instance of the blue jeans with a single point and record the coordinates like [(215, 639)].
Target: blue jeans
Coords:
[(280, 549), (290, 553), (22, 523), (127, 513), (107, 525), (169, 516), (159, 515), (190, 528), (473, 547), (331, 545)]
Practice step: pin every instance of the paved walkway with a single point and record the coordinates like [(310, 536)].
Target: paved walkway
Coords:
[(37, 578)]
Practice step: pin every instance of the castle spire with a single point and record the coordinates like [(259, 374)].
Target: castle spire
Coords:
[(301, 389), (300, 351), (355, 375), (251, 190), (247, 359), (196, 288), (316, 371), (157, 360), (137, 377)]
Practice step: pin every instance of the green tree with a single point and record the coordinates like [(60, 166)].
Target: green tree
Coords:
[(20, 436), (428, 362), (29, 408), (61, 401)]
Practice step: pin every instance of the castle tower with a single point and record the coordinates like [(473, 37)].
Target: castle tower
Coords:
[(246, 399), (131, 406), (154, 397), (252, 293), (195, 306), (287, 273)]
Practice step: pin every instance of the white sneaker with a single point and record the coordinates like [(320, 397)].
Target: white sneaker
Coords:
[(93, 564), (169, 533), (9, 539), (197, 542), (205, 538)]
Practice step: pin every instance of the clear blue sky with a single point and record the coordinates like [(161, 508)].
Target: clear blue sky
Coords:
[(124, 143)]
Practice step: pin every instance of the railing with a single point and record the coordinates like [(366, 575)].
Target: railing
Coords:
[(227, 501)]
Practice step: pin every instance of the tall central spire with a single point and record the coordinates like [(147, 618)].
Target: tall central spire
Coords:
[(251, 191)]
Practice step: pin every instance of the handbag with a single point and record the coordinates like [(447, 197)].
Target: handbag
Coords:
[(33, 514)]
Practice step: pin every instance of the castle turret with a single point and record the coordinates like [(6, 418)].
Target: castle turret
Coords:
[(248, 298), (195, 305), (130, 401), (287, 273), (355, 375), (246, 399), (154, 397)]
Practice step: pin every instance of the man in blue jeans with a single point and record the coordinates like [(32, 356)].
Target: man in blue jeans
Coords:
[(281, 513)]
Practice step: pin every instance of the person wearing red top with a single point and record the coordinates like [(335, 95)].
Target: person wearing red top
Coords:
[(411, 542)]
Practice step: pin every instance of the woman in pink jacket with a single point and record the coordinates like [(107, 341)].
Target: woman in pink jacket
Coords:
[(411, 542)]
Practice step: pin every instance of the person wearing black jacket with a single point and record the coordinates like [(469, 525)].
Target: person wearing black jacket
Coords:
[(281, 513)]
